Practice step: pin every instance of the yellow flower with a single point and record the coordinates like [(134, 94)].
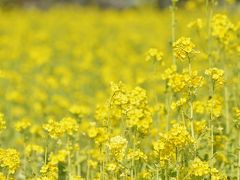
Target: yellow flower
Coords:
[(177, 82), (31, 148), (59, 156), (236, 120), (154, 55), (217, 75), (222, 28), (54, 128), (181, 102), (22, 125), (111, 167), (200, 126), (199, 107), (49, 171), (70, 125), (217, 175), (198, 23), (9, 158), (92, 164), (179, 137), (183, 47), (117, 146), (57, 129), (99, 134), (199, 168), (136, 155), (214, 107), (169, 72), (2, 123)]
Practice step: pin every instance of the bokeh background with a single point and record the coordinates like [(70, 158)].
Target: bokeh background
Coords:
[(118, 4)]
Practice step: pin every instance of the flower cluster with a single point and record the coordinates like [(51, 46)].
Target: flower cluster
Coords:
[(57, 129), (134, 106), (177, 139), (185, 81), (154, 55), (99, 134), (136, 155), (199, 168), (236, 117), (217, 75), (22, 125), (183, 47), (117, 146), (33, 148), (2, 122), (214, 107), (222, 28), (9, 159), (168, 120)]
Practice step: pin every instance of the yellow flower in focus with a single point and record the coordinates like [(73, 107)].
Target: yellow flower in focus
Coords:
[(9, 158), (179, 137), (183, 47), (177, 82)]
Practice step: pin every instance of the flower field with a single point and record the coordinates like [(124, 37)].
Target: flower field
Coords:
[(136, 94)]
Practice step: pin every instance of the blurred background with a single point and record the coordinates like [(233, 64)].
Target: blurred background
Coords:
[(118, 4)]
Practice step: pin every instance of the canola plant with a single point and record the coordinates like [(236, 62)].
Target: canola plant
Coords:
[(131, 94)]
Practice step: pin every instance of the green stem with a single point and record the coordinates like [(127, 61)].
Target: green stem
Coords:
[(238, 171), (88, 170), (8, 175), (212, 141), (209, 4), (69, 161), (191, 118), (177, 164), (45, 155), (211, 126), (173, 9), (191, 103), (226, 109)]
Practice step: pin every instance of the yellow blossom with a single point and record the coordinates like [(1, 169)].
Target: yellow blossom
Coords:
[(183, 47), (9, 158), (154, 54)]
